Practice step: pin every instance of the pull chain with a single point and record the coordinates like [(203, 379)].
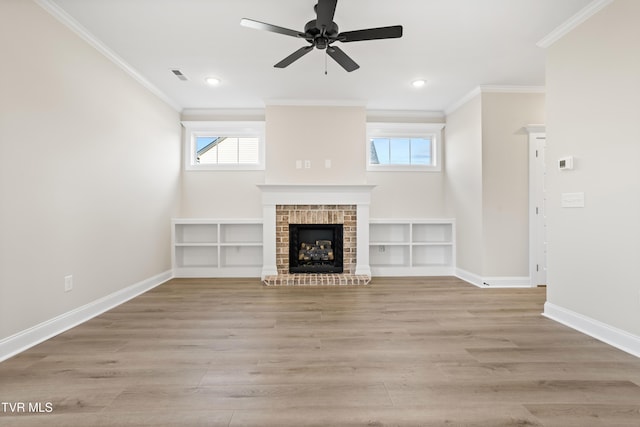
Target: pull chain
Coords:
[(325, 62)]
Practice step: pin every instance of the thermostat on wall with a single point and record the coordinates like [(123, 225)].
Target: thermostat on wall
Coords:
[(565, 163)]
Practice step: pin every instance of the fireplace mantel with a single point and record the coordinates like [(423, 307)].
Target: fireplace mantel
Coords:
[(302, 194)]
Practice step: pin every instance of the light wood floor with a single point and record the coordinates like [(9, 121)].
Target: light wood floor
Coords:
[(406, 352)]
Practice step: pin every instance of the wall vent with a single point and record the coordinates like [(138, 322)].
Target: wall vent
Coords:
[(179, 75)]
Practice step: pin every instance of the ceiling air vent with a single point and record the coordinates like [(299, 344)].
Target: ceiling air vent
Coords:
[(179, 75)]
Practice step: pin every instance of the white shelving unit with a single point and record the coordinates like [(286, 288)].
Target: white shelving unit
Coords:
[(412, 247), (216, 247)]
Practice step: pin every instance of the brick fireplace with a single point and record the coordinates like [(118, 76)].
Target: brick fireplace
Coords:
[(316, 214), (316, 204)]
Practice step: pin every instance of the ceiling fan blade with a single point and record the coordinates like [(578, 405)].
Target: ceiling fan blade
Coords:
[(342, 58), (392, 32), (257, 25), (325, 10), (294, 57)]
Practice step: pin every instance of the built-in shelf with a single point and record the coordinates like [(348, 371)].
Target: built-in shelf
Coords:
[(412, 247), (217, 247), (234, 247)]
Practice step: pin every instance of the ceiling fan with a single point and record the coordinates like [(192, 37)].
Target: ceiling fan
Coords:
[(322, 32)]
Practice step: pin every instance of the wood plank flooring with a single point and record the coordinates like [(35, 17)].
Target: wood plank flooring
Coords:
[(400, 352)]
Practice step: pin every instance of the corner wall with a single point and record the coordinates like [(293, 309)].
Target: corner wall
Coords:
[(89, 172), (487, 184)]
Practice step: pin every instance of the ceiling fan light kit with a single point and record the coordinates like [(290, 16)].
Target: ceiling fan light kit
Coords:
[(322, 32)]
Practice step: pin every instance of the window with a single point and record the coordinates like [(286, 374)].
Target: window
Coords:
[(224, 145), (218, 150), (404, 146), (401, 151)]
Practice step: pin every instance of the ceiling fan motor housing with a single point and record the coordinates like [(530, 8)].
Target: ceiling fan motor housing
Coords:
[(321, 39)]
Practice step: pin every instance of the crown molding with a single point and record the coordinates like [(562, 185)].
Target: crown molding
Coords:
[(466, 98), (511, 89), (229, 114), (570, 24), (493, 89), (382, 115), (68, 21), (259, 113), (316, 102)]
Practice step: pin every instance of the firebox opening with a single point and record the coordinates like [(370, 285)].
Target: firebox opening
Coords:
[(315, 248)]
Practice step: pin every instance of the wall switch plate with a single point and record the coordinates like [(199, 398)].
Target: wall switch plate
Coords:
[(68, 283), (573, 200), (298, 164), (327, 163)]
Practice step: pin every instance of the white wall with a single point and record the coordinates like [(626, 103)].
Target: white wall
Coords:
[(407, 194), (463, 165), (222, 194), (89, 172), (316, 134), (593, 88)]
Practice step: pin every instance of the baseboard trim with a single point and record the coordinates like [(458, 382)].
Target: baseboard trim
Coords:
[(493, 282), (474, 279), (28, 338), (601, 331), (507, 282)]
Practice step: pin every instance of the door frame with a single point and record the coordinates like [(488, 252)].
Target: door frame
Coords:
[(537, 229)]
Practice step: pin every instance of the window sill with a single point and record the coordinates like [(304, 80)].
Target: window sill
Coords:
[(224, 168), (403, 168)]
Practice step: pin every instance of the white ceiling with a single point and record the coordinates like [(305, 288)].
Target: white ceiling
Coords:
[(457, 45)]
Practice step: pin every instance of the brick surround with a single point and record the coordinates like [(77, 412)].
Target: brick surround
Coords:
[(316, 214), (284, 204)]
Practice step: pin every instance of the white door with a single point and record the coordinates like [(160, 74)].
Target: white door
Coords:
[(537, 202)]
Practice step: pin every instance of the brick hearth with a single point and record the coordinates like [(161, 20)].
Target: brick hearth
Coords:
[(317, 280)]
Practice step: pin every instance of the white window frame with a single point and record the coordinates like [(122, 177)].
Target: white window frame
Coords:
[(194, 129), (406, 130)]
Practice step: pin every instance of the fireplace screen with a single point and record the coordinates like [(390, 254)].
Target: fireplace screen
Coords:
[(315, 248)]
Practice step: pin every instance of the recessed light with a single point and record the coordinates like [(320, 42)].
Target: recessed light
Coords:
[(212, 81), (418, 83)]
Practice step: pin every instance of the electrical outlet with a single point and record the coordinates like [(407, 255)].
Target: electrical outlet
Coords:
[(68, 283), (307, 164)]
